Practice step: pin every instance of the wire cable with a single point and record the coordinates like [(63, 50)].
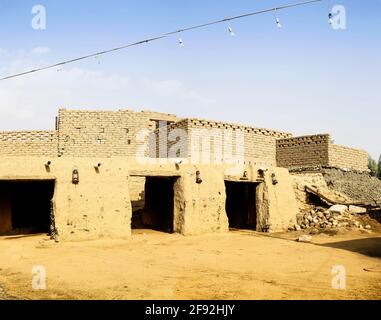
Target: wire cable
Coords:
[(165, 35)]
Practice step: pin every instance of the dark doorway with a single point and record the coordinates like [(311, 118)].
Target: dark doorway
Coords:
[(157, 213), (26, 206), (241, 205)]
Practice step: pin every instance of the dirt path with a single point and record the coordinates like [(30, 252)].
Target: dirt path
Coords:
[(235, 265)]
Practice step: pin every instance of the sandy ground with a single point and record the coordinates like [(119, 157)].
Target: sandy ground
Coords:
[(154, 265)]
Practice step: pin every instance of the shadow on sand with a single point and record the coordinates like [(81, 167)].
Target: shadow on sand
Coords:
[(21, 236), (369, 246)]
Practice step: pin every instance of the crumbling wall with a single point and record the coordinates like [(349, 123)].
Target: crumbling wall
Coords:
[(303, 151), (349, 158), (339, 186), (359, 186), (300, 182), (29, 143), (335, 198)]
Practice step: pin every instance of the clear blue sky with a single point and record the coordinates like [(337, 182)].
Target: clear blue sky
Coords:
[(305, 78)]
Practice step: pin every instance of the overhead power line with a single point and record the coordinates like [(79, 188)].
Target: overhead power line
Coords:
[(165, 35)]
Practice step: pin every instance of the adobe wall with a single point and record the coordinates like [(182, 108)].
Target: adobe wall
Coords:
[(349, 158), (169, 138), (98, 206), (318, 150), (259, 145), (33, 143), (303, 151), (200, 207), (281, 200), (254, 145), (136, 188), (276, 204), (104, 133)]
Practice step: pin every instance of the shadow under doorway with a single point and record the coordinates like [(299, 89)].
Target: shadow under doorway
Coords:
[(157, 212), (26, 206), (241, 205)]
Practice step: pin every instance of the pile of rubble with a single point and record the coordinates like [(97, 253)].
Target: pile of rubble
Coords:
[(337, 216)]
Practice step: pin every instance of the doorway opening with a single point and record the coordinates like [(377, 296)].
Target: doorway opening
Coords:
[(26, 206), (156, 210), (241, 206)]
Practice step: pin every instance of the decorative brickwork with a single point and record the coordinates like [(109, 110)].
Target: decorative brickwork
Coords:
[(256, 145), (259, 145), (126, 133), (303, 151)]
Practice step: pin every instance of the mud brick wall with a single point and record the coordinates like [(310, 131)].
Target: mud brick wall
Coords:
[(171, 141), (344, 157), (318, 150), (258, 145), (103, 133), (137, 195), (303, 151), (29, 143)]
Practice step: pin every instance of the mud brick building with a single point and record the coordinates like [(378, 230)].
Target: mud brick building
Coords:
[(255, 145), (319, 150), (103, 173)]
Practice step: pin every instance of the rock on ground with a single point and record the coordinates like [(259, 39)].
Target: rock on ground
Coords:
[(357, 210), (338, 209), (305, 238)]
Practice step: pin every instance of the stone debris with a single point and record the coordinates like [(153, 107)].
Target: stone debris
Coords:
[(305, 238), (338, 209), (297, 228), (328, 196), (3, 295), (357, 210), (355, 185), (319, 218)]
